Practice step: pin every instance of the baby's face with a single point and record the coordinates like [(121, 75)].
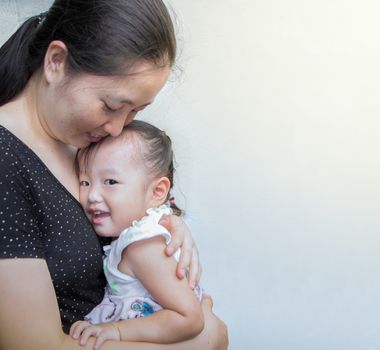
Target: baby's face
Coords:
[(114, 187)]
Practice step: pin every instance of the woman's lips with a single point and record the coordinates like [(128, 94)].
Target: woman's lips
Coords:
[(94, 138)]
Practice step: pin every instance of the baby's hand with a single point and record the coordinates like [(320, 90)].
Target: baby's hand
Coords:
[(104, 331)]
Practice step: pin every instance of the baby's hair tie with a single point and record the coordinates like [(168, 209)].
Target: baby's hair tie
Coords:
[(171, 201)]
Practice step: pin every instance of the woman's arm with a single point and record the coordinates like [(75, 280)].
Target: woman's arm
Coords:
[(29, 316)]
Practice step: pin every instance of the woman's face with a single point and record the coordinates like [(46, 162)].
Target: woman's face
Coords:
[(86, 108)]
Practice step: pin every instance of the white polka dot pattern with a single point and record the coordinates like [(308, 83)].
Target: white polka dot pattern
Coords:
[(39, 218)]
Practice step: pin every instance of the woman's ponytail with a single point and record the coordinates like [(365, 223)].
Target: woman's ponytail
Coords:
[(16, 65)]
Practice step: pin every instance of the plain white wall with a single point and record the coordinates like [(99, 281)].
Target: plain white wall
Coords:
[(275, 122)]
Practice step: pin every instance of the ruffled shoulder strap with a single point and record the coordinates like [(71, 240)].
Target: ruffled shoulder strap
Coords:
[(143, 229)]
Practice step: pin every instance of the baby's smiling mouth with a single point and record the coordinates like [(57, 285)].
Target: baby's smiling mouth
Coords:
[(98, 216)]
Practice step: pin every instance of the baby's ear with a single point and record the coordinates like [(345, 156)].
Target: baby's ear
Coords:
[(159, 190)]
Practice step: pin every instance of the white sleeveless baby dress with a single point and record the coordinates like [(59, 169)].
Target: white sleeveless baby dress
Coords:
[(125, 297)]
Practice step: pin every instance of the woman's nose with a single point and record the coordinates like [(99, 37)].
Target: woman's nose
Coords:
[(115, 126)]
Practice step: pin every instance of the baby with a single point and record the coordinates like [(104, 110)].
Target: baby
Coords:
[(125, 185)]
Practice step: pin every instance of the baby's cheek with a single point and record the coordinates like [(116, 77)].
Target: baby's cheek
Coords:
[(82, 196)]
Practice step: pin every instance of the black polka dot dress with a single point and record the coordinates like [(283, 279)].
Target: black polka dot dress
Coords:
[(39, 218)]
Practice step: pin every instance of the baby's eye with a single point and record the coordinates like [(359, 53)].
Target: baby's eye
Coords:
[(84, 183), (110, 182)]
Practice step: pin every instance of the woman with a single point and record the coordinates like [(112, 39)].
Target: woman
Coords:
[(70, 77)]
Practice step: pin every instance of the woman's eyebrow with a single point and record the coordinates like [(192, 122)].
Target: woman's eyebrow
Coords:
[(130, 102)]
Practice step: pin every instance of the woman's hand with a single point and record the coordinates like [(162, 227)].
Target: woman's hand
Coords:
[(83, 330), (181, 238), (215, 334)]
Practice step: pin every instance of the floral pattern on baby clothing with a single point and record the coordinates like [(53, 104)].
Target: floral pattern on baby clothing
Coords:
[(142, 307)]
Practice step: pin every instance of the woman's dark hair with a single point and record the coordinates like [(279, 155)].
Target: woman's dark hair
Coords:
[(103, 37), (156, 151)]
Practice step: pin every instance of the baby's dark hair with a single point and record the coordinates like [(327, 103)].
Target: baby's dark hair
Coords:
[(156, 151)]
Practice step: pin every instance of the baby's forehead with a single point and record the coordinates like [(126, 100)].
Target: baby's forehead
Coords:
[(129, 144)]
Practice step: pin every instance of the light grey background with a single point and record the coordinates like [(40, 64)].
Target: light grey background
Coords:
[(275, 121)]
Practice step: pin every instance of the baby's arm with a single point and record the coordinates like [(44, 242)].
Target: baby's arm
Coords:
[(181, 317)]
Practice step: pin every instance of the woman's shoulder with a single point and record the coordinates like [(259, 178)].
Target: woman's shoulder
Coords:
[(14, 163), (13, 149), (19, 167), (7, 140)]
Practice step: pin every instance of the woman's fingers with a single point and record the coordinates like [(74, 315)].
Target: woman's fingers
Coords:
[(181, 238), (195, 269), (207, 302), (189, 257), (178, 235), (185, 256)]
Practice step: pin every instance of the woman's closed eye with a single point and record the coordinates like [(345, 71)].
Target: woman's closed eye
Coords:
[(108, 108), (110, 182)]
